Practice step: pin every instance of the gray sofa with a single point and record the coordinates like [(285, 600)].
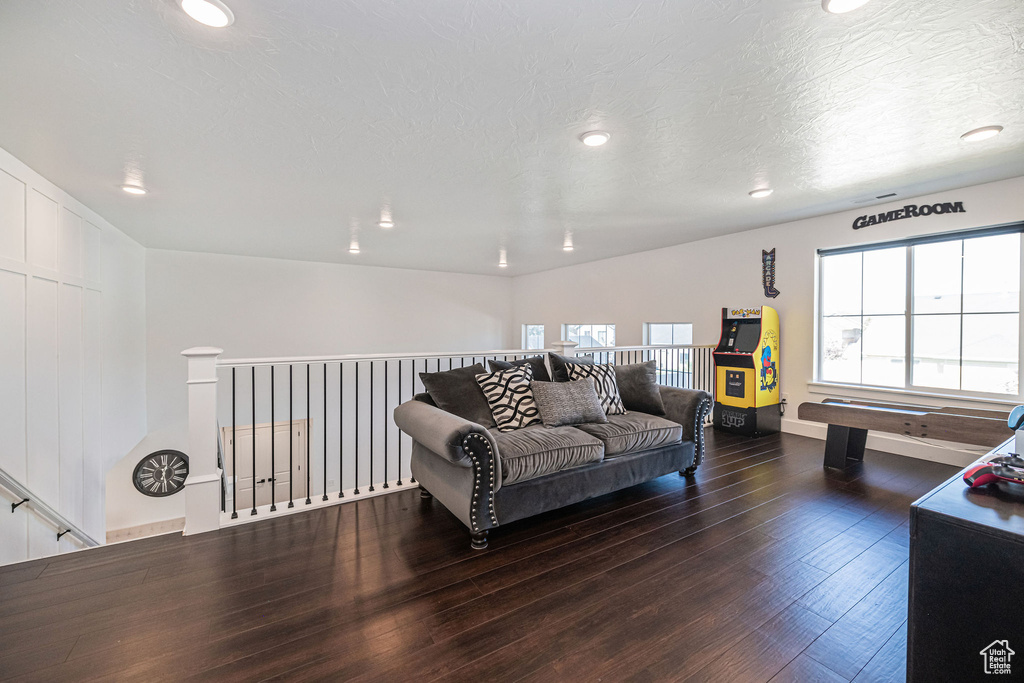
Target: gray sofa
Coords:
[(487, 478)]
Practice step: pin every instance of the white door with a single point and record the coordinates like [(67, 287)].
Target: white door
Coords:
[(281, 476)]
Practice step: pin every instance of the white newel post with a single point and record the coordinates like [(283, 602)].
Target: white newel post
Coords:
[(564, 348), (202, 488)]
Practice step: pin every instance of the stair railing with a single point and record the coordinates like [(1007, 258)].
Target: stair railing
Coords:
[(26, 500)]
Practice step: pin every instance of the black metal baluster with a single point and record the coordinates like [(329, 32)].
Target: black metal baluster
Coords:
[(386, 430), (253, 441), (462, 362), (412, 386), (273, 438), (234, 451), (399, 482), (370, 487), (449, 362), (309, 428), (291, 438), (341, 429), (324, 498), (355, 491)]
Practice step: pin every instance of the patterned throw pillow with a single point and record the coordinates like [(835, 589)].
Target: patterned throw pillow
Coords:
[(511, 400), (604, 382)]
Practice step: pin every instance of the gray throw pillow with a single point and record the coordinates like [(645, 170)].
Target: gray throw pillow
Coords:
[(456, 392), (568, 403), (540, 372), (638, 387), (558, 363)]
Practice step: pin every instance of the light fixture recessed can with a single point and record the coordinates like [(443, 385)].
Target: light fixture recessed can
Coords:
[(386, 224), (841, 6), (134, 189), (761, 192), (981, 133), (595, 138), (213, 13), (567, 247)]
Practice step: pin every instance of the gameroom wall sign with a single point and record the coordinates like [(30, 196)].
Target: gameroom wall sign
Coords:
[(909, 211)]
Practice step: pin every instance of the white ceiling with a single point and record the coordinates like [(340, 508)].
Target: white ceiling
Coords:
[(275, 136)]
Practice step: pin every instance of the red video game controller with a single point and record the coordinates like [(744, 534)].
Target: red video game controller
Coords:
[(1003, 468)]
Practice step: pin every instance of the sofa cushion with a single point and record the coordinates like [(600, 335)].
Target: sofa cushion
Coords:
[(535, 451), (568, 403), (638, 387), (540, 371), (456, 391), (634, 432), (559, 373)]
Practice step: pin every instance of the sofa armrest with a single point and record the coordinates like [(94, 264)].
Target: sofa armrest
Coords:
[(439, 431), (689, 408), (459, 446)]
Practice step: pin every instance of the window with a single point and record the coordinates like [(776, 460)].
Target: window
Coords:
[(668, 333), (927, 313), (589, 336), (533, 337)]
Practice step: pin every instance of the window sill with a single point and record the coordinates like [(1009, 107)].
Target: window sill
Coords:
[(860, 391)]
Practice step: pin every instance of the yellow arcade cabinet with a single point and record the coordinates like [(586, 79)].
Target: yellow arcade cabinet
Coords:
[(747, 393)]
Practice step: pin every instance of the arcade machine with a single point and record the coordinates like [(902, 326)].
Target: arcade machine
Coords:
[(747, 393)]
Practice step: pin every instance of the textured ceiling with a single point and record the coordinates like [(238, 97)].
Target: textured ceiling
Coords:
[(279, 135)]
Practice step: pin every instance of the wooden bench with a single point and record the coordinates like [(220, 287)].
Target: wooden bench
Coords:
[(849, 421)]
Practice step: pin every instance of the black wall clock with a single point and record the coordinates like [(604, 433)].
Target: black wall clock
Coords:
[(161, 473)]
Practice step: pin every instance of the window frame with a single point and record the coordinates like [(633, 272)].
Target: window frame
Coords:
[(908, 386), (565, 333), (647, 334), (526, 336)]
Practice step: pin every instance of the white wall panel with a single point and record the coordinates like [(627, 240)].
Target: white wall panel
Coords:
[(12, 374), (93, 479), (70, 392), (43, 441), (12, 217), (41, 230), (42, 537), (70, 243), (92, 239), (13, 531)]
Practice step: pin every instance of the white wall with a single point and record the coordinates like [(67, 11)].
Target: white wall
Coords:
[(258, 307), (692, 282), (72, 356)]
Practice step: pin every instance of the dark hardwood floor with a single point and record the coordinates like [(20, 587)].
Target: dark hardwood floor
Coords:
[(763, 567)]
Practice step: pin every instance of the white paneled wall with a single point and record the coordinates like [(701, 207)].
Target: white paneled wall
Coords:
[(52, 313)]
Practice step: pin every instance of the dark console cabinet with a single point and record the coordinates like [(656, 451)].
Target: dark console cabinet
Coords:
[(966, 582)]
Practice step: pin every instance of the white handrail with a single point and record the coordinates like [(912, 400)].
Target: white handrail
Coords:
[(352, 357), (33, 501)]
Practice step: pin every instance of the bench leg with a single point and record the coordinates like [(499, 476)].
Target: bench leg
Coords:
[(844, 444)]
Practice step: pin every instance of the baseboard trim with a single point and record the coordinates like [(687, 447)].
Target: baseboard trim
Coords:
[(133, 533), (934, 451)]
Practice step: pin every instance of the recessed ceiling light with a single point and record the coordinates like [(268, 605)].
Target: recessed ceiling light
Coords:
[(134, 189), (209, 12), (567, 242), (502, 259), (386, 224), (595, 138), (761, 192), (981, 133), (353, 247), (842, 6)]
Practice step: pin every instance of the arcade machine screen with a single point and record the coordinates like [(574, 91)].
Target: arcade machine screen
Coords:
[(747, 337)]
